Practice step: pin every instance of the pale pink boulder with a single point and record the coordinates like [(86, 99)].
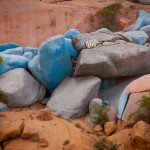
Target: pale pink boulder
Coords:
[(139, 85), (133, 106)]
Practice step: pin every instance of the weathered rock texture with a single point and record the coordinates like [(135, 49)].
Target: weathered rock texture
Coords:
[(10, 129), (79, 40), (71, 98), (141, 134), (114, 60)]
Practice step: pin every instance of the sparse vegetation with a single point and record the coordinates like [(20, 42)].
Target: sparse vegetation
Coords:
[(2, 97), (35, 138), (144, 103), (66, 142), (1, 59), (100, 115), (108, 15), (105, 145), (78, 125)]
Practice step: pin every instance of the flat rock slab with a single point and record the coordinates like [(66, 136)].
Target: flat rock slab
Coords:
[(71, 98), (10, 130), (80, 40), (114, 60)]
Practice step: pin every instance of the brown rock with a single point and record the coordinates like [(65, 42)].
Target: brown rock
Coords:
[(112, 114), (20, 144), (141, 134), (29, 131), (70, 146), (98, 128), (44, 115), (124, 138), (10, 129), (43, 143), (121, 23), (110, 127), (121, 125)]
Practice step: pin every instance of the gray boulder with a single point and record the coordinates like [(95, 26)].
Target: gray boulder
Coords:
[(80, 40), (70, 100), (3, 107), (94, 103), (20, 88), (114, 60)]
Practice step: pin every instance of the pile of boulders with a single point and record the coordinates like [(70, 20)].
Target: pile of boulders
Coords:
[(26, 73), (139, 31)]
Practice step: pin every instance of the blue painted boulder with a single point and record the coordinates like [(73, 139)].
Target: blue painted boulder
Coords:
[(6, 46), (21, 51), (70, 33), (143, 19), (53, 64), (32, 50), (11, 62), (14, 51), (138, 37)]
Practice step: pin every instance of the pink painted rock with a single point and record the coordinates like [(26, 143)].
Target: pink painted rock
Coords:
[(139, 85), (132, 106), (112, 114)]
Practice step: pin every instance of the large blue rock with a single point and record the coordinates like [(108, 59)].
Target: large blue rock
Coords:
[(6, 46), (14, 51), (32, 50), (138, 37), (11, 62), (53, 64), (70, 33), (143, 19)]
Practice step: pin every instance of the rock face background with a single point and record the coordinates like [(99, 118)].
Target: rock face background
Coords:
[(39, 20)]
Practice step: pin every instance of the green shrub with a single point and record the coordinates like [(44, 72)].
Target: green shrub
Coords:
[(2, 97), (108, 15), (104, 145), (1, 59), (144, 102), (100, 115)]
